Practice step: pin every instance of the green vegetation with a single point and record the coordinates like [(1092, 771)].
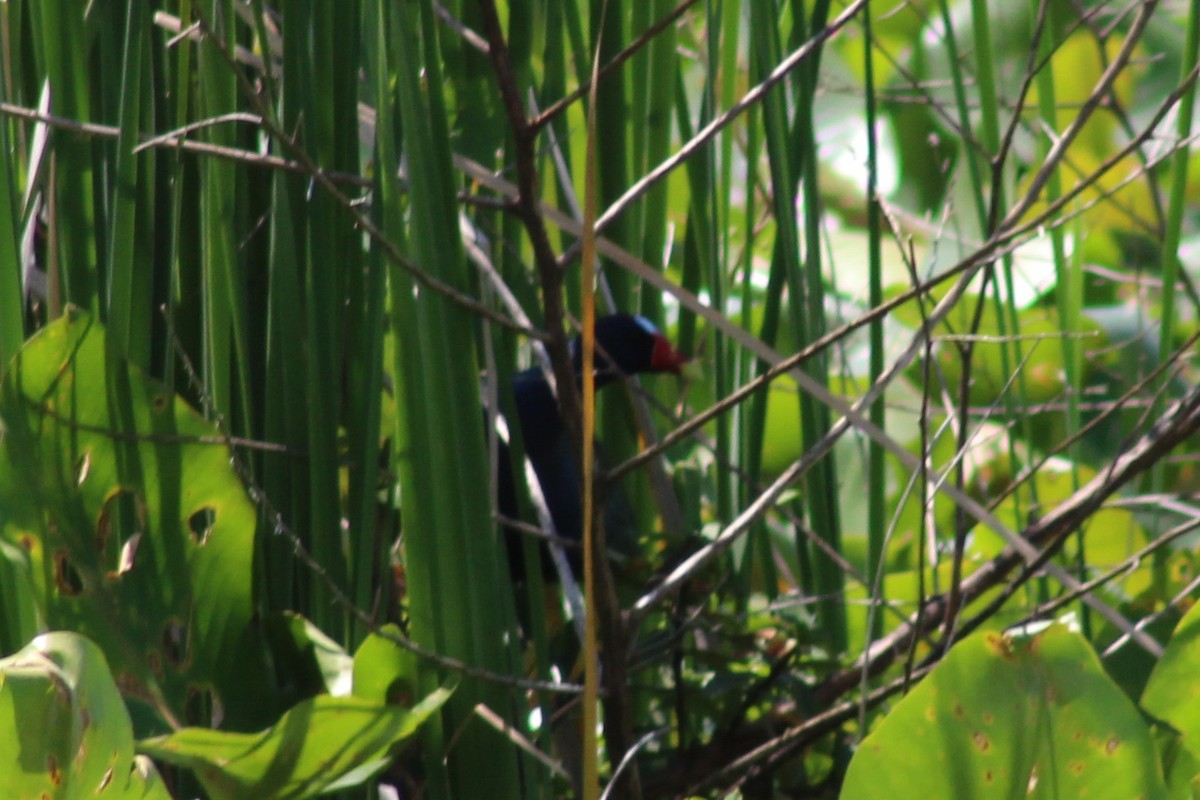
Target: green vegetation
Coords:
[(919, 519)]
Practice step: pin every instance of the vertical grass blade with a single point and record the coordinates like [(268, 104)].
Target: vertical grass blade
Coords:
[(12, 305), (224, 369), (61, 58), (129, 264), (456, 602)]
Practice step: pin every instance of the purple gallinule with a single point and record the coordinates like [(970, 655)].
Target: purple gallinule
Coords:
[(625, 345)]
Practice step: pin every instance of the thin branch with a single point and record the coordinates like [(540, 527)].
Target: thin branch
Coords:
[(527, 208), (1181, 421), (160, 142), (360, 220), (1100, 91), (705, 134)]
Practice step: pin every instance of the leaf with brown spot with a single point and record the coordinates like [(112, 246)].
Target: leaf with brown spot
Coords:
[(1056, 726)]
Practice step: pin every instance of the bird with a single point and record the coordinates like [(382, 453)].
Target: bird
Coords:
[(626, 344)]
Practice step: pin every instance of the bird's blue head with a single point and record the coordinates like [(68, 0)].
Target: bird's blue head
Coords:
[(628, 344)]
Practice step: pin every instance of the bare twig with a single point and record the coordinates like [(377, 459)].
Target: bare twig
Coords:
[(361, 220), (1181, 421)]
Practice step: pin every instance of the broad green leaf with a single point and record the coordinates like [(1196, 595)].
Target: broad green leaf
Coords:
[(1173, 693), (1004, 717), (312, 749), (139, 532), (64, 730), (1180, 766)]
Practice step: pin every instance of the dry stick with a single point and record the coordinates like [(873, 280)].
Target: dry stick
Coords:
[(1168, 504), (526, 206), (169, 438), (1034, 65), (627, 762), (518, 738), (173, 24), (1128, 565), (458, 26), (1180, 421), (176, 142)]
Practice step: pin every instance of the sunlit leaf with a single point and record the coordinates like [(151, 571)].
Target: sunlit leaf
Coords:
[(1003, 717), (64, 730), (311, 749), (140, 532)]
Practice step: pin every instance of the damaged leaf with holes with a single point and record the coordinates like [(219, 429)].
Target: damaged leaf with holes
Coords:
[(138, 530), (64, 730), (1011, 717)]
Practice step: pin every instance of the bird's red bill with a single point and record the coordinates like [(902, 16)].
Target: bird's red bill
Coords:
[(665, 358)]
